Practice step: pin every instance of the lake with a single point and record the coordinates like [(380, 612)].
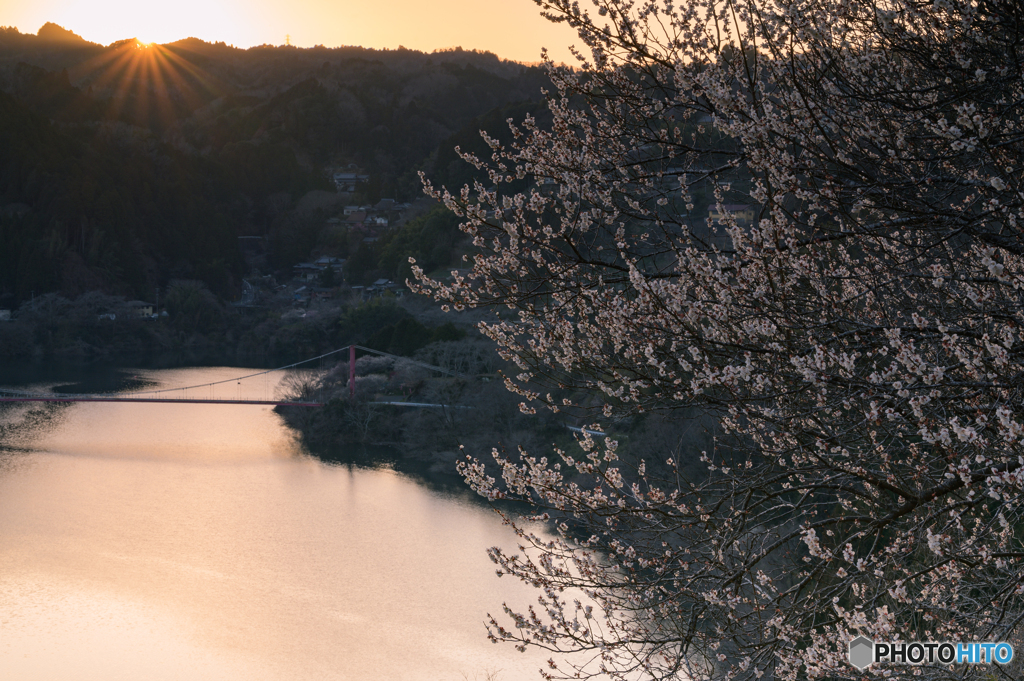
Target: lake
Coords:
[(187, 541)]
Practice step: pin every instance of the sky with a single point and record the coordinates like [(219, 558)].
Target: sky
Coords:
[(512, 29)]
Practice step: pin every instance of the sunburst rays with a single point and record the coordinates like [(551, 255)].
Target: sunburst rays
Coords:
[(147, 83)]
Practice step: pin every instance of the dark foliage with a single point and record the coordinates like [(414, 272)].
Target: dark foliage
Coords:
[(430, 239), (125, 167), (408, 335)]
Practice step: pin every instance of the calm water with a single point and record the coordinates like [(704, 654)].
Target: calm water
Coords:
[(157, 541)]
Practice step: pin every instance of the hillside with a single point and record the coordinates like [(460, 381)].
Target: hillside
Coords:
[(131, 165)]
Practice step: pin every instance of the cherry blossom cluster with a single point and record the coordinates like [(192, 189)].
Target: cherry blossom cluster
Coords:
[(857, 333)]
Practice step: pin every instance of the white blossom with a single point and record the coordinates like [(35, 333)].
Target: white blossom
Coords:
[(851, 331)]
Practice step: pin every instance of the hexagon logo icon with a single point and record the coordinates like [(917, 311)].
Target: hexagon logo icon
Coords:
[(861, 652)]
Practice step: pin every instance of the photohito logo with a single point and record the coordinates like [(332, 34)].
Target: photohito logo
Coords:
[(864, 652)]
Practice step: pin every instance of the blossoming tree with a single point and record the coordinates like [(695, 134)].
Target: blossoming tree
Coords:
[(848, 306)]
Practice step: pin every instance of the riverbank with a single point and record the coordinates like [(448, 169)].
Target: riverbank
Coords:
[(468, 414), (402, 416)]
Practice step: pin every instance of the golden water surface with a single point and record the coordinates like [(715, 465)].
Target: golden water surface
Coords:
[(188, 542)]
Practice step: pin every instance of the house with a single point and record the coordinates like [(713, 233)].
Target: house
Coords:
[(326, 261), (306, 271), (742, 214), (346, 181), (379, 287), (140, 309), (321, 293)]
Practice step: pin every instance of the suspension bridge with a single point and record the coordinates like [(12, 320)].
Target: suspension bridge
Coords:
[(226, 391)]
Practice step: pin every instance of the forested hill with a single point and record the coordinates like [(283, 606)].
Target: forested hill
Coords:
[(125, 166)]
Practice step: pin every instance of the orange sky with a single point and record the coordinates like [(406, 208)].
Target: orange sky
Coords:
[(512, 29)]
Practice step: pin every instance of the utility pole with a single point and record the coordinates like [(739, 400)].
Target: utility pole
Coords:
[(351, 371)]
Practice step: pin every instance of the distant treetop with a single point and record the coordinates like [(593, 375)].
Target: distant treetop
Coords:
[(54, 33)]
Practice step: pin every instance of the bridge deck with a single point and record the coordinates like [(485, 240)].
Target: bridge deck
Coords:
[(11, 395)]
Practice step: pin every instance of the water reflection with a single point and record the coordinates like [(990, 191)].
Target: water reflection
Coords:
[(199, 541)]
